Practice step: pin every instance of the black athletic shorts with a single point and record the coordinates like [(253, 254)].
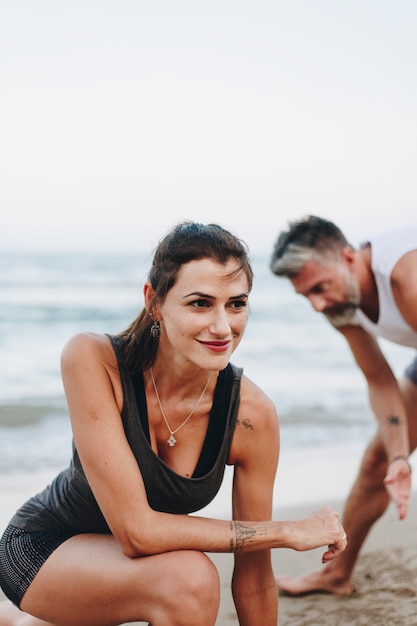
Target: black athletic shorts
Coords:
[(22, 554)]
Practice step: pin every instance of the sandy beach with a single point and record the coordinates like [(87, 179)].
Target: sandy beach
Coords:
[(385, 576), (385, 579)]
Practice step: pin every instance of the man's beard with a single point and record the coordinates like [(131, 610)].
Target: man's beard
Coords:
[(342, 314)]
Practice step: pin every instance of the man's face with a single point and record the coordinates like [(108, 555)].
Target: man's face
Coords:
[(331, 288)]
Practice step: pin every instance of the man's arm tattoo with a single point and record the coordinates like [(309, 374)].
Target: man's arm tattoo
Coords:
[(243, 533), (394, 420)]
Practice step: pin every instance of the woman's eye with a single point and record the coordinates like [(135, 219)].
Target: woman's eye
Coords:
[(239, 304), (200, 304)]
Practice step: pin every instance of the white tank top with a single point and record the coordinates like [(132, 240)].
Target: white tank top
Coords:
[(386, 250)]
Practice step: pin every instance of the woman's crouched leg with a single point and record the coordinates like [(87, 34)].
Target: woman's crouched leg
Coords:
[(88, 581)]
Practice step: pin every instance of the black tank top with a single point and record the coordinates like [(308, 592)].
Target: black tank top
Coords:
[(69, 502)]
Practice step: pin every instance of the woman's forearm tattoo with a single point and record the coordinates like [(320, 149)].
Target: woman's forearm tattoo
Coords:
[(243, 533)]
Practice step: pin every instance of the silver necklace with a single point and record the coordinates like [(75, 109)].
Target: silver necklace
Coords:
[(172, 441)]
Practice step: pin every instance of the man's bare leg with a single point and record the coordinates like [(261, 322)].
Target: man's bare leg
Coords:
[(366, 503)]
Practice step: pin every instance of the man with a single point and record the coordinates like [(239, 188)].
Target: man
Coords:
[(365, 293)]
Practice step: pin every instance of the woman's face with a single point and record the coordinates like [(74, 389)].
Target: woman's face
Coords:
[(204, 315)]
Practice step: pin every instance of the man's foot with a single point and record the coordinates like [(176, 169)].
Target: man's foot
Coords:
[(316, 582)]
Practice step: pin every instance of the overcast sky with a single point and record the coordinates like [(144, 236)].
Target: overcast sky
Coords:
[(121, 118)]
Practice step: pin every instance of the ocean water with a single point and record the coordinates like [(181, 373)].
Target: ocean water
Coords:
[(288, 350)]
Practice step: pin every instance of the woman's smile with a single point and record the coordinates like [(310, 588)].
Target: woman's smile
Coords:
[(216, 346)]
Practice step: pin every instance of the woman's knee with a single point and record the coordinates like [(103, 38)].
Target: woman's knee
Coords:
[(198, 578), (195, 590)]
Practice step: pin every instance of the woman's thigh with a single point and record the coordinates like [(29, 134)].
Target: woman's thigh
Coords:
[(88, 581)]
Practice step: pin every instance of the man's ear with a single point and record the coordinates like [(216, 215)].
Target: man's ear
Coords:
[(348, 256)]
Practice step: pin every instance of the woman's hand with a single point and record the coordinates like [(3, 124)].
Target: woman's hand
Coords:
[(321, 528)]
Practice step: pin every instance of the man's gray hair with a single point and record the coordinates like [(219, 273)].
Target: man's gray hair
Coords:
[(310, 237), (292, 260)]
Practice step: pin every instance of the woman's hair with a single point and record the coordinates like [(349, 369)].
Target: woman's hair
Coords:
[(188, 241), (309, 237)]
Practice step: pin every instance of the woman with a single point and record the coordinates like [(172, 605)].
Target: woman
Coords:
[(157, 412)]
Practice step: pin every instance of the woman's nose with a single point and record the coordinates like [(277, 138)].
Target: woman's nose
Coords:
[(220, 325)]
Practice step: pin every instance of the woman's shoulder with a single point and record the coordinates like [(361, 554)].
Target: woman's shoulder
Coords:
[(257, 426), (255, 401), (85, 346)]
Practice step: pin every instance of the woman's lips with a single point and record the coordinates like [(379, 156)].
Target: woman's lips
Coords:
[(217, 346)]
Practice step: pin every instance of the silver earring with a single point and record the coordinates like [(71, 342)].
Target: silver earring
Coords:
[(156, 329)]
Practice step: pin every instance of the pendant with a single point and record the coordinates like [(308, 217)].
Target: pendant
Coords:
[(171, 441)]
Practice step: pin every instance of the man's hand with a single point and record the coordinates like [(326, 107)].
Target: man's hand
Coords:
[(398, 484)]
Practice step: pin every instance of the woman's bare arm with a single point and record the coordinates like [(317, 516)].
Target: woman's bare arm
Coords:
[(89, 371)]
